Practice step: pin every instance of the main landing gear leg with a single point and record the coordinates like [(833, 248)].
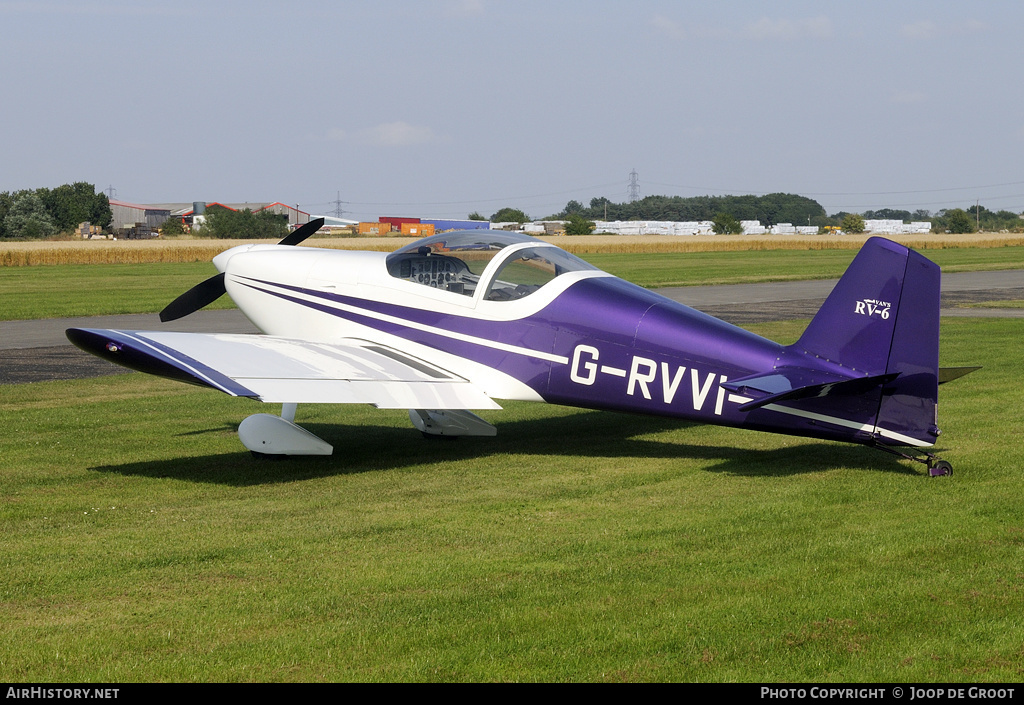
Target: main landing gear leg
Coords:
[(937, 467)]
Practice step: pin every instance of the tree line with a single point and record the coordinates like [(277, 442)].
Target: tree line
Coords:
[(769, 209), (45, 212), (243, 224), (726, 212)]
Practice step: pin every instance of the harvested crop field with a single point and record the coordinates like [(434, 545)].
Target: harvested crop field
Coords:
[(16, 254)]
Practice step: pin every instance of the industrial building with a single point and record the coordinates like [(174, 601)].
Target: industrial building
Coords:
[(187, 210), (750, 227), (128, 215), (154, 215)]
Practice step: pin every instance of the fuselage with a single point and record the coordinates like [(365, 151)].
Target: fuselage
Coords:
[(583, 338)]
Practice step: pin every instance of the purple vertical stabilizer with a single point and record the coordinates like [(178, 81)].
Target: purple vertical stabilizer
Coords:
[(882, 318), (854, 327)]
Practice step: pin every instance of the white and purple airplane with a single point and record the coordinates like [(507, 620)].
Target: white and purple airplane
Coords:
[(454, 321)]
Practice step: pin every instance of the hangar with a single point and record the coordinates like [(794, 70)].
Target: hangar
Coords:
[(127, 215), (186, 210), (154, 215)]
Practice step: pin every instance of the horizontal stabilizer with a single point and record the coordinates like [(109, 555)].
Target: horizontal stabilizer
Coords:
[(948, 374), (792, 383)]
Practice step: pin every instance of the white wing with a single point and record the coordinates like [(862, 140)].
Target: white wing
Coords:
[(282, 370)]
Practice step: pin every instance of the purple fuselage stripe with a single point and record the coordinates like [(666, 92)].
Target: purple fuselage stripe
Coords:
[(684, 354), (628, 349)]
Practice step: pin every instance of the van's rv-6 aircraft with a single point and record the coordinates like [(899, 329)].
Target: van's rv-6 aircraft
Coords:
[(454, 321)]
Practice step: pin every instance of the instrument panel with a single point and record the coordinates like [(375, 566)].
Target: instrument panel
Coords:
[(436, 271)]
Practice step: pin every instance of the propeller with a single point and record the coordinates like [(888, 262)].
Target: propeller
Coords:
[(209, 290), (301, 233)]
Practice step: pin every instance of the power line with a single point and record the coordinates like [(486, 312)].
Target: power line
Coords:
[(633, 192), (844, 193), (477, 200), (875, 206)]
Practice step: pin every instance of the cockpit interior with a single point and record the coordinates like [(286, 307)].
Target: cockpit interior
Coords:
[(457, 261)]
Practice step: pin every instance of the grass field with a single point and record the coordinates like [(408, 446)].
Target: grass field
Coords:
[(141, 543)]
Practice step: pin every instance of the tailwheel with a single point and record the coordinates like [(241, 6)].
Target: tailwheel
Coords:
[(937, 467)]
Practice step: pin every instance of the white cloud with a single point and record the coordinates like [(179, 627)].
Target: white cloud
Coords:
[(388, 134), (924, 29), (670, 28), (787, 30), (927, 29), (763, 29), (399, 134)]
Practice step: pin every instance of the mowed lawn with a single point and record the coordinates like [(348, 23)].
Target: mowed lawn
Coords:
[(141, 543)]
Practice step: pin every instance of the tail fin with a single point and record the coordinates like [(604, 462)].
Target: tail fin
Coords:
[(882, 319)]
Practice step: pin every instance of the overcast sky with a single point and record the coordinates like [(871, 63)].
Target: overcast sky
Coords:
[(438, 108)]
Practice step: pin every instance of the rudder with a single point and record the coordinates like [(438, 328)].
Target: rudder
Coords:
[(882, 318)]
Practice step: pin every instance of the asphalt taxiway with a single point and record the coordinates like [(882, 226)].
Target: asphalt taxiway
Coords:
[(33, 351)]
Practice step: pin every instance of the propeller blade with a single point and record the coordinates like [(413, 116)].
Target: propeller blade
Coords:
[(202, 294), (206, 292), (303, 232)]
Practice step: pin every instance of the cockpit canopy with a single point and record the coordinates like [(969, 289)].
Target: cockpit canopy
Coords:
[(459, 262)]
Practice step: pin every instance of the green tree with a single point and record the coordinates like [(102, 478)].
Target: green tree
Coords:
[(572, 207), (510, 215), (769, 209), (243, 224), (578, 225), (6, 200), (993, 221), (27, 217), (475, 216), (852, 223), (173, 226), (726, 224), (887, 214), (71, 204), (101, 214), (65, 206), (958, 221)]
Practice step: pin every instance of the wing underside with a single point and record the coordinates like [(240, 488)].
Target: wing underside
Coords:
[(281, 370)]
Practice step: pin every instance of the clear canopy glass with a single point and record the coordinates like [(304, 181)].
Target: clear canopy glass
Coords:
[(456, 261)]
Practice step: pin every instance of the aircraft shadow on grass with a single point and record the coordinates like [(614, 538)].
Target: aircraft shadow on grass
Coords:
[(590, 434)]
